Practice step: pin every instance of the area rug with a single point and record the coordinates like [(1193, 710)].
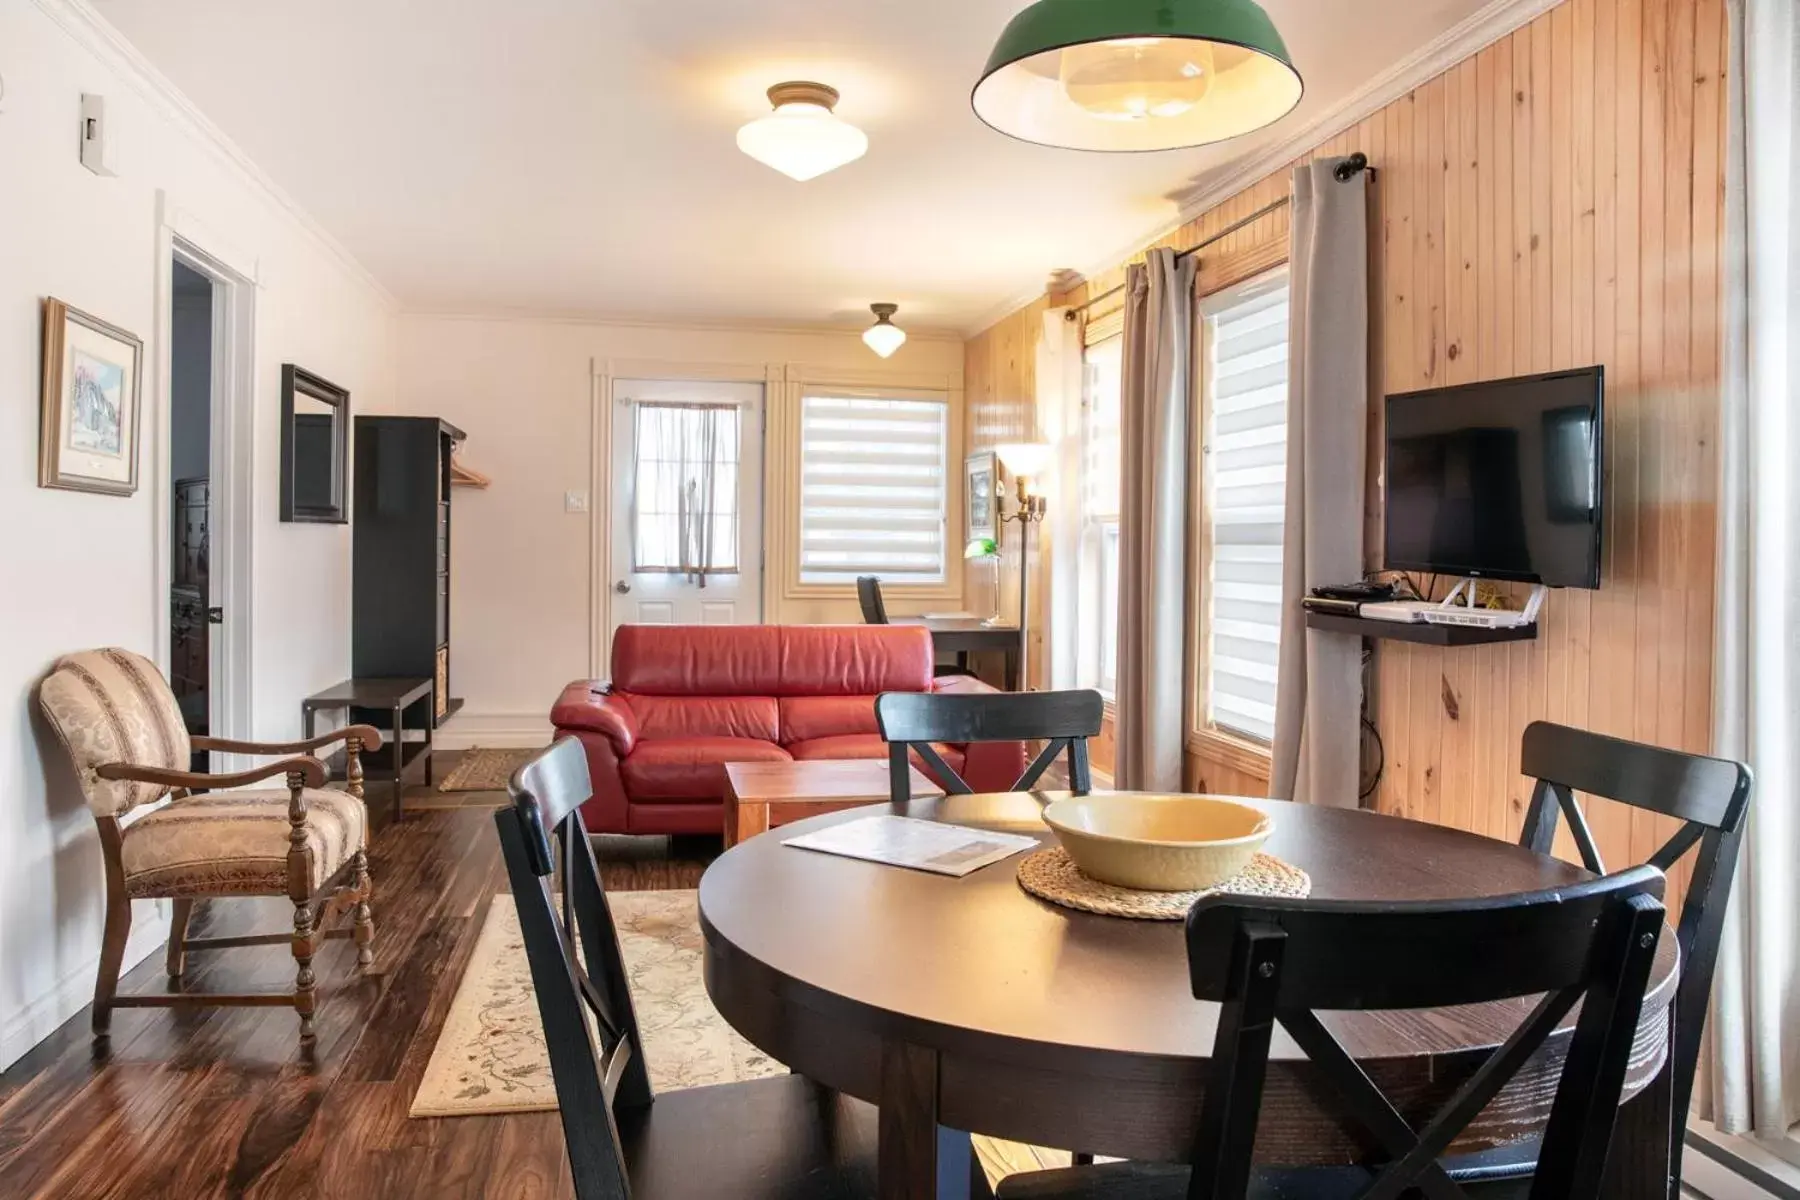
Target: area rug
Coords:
[(483, 770), (490, 1056)]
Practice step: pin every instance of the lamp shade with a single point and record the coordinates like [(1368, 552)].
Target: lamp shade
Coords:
[(802, 138), (884, 337), (1125, 75), (1026, 459)]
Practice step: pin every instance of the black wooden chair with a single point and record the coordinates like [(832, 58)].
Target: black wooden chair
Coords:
[(910, 722), (1284, 961), (783, 1137), (868, 594), (1712, 797)]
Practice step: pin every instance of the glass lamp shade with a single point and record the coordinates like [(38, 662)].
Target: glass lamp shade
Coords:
[(802, 138), (981, 548), (1026, 460), (1125, 75), (884, 337)]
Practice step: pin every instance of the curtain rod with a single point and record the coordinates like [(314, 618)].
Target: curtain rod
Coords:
[(1346, 170)]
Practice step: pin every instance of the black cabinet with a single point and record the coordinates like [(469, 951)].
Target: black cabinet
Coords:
[(400, 607)]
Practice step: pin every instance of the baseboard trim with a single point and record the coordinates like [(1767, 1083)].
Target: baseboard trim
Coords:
[(498, 731), (75, 991)]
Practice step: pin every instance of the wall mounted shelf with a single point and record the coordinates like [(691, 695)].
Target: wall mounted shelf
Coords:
[(1421, 632)]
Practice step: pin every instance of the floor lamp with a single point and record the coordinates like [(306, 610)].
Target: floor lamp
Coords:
[(1026, 461)]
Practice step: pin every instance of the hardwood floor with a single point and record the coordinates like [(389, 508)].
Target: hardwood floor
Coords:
[(223, 1103)]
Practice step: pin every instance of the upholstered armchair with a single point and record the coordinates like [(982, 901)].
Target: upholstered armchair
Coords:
[(119, 722)]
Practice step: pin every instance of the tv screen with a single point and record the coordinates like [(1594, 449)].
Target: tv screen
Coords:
[(1499, 480)]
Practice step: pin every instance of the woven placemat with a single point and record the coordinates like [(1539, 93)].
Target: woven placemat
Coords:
[(1052, 875)]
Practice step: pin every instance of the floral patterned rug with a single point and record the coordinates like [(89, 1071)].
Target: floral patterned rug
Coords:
[(490, 1056)]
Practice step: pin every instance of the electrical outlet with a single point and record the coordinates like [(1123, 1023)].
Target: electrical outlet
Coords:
[(575, 502)]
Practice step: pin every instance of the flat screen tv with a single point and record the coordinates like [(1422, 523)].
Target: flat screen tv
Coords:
[(1498, 480)]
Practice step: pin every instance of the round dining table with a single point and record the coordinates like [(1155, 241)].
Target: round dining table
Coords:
[(965, 1005)]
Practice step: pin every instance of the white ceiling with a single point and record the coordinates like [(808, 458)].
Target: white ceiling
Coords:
[(577, 156)]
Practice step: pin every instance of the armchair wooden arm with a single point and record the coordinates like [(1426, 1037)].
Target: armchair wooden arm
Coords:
[(368, 738), (310, 770)]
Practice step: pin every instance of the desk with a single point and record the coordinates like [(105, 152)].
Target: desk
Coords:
[(391, 695), (965, 1004), (965, 635)]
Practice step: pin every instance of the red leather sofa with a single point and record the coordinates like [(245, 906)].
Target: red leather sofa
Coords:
[(684, 700)]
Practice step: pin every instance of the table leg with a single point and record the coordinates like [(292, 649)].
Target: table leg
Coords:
[(1637, 1167), (399, 763), (919, 1157)]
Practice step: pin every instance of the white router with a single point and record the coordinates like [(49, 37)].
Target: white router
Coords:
[(1449, 612)]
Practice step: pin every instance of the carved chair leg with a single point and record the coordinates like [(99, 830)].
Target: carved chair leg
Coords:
[(364, 918), (305, 997), (178, 926), (112, 956)]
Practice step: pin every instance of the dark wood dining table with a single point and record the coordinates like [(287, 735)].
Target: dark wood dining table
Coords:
[(966, 1005)]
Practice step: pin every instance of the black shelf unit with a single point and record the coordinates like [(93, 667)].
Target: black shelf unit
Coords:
[(400, 586), (1421, 632)]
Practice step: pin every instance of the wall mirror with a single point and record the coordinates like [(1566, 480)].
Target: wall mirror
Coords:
[(315, 448)]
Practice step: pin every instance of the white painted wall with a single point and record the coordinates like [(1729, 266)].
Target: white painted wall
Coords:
[(79, 569), (523, 391)]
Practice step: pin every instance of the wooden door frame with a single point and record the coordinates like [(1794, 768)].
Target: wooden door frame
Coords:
[(231, 492), (605, 373)]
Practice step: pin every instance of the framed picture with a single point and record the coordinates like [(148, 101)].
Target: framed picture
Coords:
[(88, 413), (983, 473)]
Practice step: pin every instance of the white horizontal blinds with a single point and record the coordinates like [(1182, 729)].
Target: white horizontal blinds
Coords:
[(1103, 326), (1097, 601), (685, 488), (1246, 440), (872, 488)]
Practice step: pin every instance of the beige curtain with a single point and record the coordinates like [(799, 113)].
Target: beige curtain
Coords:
[(1318, 696), (1754, 1084), (1153, 431)]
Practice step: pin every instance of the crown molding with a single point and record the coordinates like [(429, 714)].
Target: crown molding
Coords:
[(1474, 33), (685, 325), (89, 29)]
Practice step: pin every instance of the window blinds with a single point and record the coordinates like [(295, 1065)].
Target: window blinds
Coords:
[(1246, 384), (872, 489)]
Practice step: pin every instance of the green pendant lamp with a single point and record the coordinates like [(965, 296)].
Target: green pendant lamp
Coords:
[(1133, 75)]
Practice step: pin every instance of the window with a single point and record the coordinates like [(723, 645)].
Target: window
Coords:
[(685, 488), (1097, 607), (1244, 393), (872, 489)]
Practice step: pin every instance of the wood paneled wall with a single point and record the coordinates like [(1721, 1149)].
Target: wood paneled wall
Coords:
[(1553, 201)]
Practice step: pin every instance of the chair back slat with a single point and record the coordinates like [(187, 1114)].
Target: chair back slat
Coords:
[(577, 968), (868, 595), (916, 720), (1284, 961), (1710, 795)]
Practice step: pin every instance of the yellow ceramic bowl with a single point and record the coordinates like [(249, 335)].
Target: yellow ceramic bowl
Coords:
[(1158, 843)]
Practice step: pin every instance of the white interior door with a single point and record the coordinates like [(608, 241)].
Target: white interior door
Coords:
[(687, 503)]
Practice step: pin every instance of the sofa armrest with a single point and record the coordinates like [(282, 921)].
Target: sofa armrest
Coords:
[(590, 706), (960, 685)]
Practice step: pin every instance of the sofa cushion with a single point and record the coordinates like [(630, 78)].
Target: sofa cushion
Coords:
[(691, 768), (804, 718), (663, 717), (236, 843), (866, 745), (771, 660)]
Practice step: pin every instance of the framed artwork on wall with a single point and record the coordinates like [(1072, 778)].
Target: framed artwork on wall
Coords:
[(982, 472), (88, 410)]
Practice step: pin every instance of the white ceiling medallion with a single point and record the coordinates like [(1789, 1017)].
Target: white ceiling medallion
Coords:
[(884, 337), (802, 138)]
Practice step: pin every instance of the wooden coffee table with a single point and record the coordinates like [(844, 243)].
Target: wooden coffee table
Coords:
[(761, 795)]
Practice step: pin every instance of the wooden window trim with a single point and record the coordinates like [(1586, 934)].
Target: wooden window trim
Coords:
[(1230, 751)]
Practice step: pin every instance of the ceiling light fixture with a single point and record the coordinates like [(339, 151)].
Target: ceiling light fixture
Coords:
[(802, 138), (884, 337), (1137, 74)]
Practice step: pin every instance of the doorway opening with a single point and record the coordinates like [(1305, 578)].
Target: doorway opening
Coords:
[(192, 609), (687, 503)]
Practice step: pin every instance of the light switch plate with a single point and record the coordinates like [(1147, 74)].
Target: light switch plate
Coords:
[(575, 502)]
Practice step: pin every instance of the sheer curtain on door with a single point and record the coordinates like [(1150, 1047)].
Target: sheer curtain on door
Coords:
[(685, 489)]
